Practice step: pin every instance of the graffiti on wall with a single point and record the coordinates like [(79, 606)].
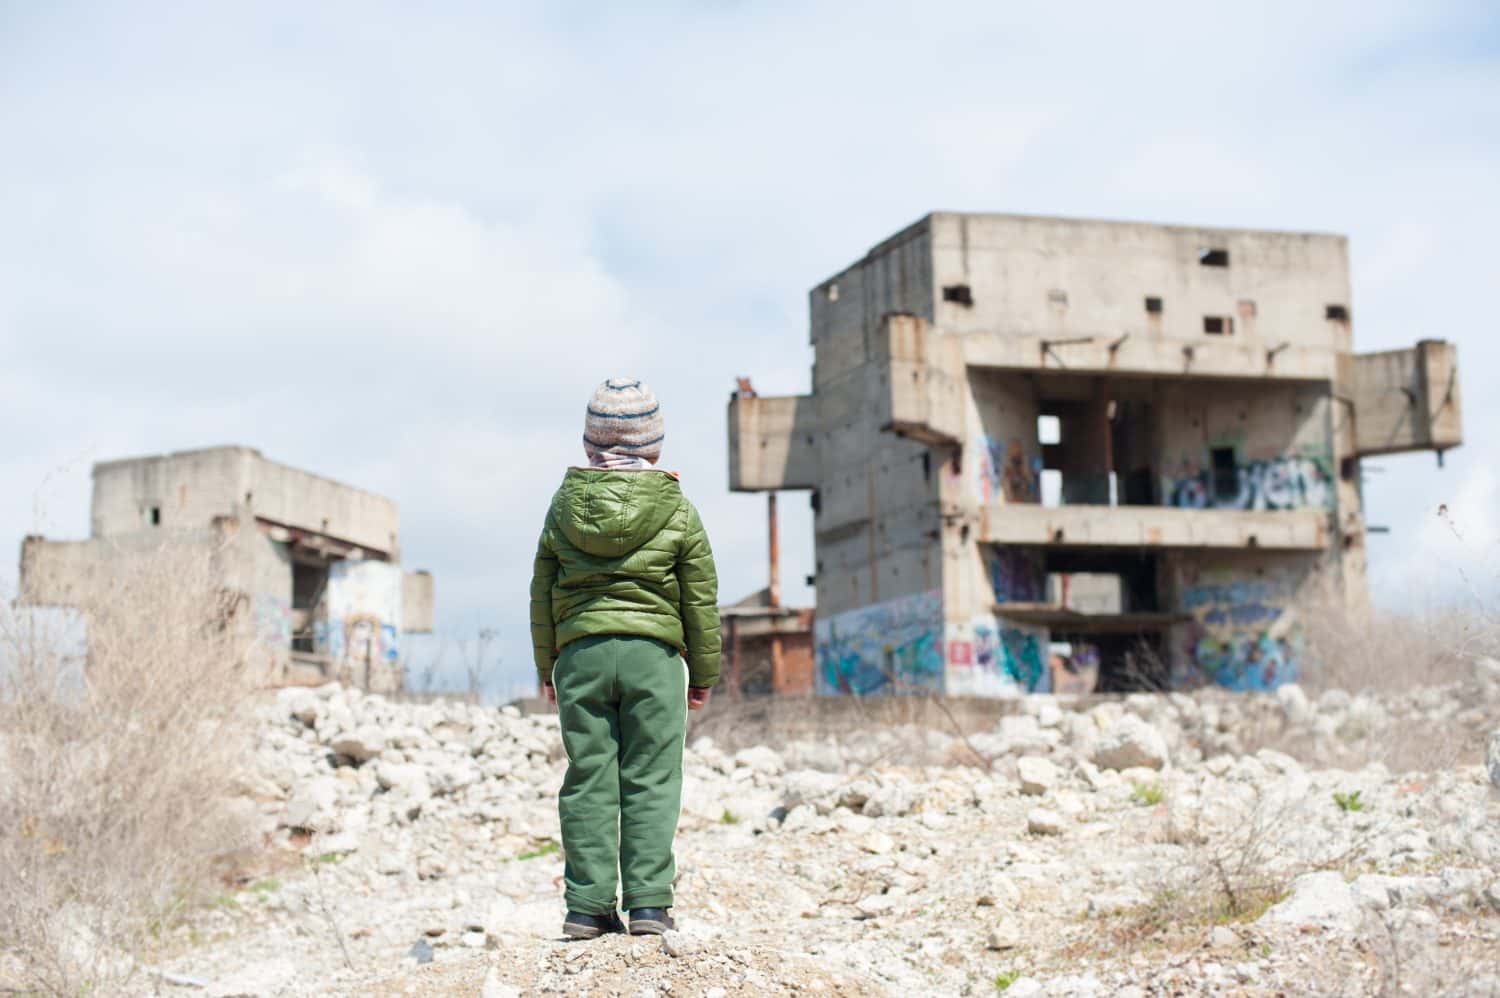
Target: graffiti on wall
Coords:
[(993, 657), (1288, 482), (1005, 472), (890, 647), (1017, 575), (362, 632), (273, 621), (1074, 667), (1241, 636)]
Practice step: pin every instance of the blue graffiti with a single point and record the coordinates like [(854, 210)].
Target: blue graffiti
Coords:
[(893, 647)]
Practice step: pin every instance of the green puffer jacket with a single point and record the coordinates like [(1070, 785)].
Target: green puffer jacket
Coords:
[(623, 552)]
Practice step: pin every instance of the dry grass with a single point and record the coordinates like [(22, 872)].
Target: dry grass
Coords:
[(114, 767), (1362, 648)]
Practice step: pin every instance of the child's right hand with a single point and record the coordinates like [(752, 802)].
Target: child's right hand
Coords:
[(698, 696), (550, 692)]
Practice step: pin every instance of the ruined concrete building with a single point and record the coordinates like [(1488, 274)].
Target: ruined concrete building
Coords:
[(314, 564), (1048, 453)]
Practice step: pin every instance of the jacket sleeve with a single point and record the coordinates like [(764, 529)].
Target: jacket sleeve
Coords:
[(699, 584), (543, 630)]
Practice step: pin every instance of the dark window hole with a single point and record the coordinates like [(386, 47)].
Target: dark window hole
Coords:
[(1226, 475), (1153, 306), (1338, 313), (959, 294), (1212, 256), (1218, 325)]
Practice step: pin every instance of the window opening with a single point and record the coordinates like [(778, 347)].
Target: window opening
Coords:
[(1226, 474), (1338, 313), (1218, 325), (1048, 430), (959, 294), (1213, 256), (1153, 305), (155, 516)]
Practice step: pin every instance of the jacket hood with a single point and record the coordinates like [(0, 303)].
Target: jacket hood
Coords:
[(611, 513)]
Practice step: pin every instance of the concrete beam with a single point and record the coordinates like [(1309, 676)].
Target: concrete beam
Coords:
[(416, 602), (772, 443), (923, 380), (1405, 400), (1142, 354), (1153, 526)]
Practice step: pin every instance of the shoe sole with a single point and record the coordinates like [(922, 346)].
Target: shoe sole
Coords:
[(585, 931), (648, 927)]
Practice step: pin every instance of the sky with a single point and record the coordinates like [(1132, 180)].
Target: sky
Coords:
[(400, 244)]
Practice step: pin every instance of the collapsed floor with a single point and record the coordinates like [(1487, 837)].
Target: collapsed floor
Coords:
[(1145, 846)]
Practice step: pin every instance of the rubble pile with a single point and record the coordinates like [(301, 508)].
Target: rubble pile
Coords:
[(414, 846)]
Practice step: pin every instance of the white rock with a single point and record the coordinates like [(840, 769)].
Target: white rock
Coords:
[(267, 977), (1317, 899), (890, 801), (404, 778), (361, 745), (1041, 821), (1037, 775), (495, 987), (313, 805), (301, 703), (877, 843), (678, 944), (1005, 935), (1112, 902), (1025, 987), (1492, 758), (1130, 742), (809, 786), (760, 759), (1294, 704)]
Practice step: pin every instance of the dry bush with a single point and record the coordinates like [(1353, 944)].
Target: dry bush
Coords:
[(1360, 647), (114, 767)]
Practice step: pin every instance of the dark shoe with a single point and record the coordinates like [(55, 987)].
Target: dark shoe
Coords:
[(650, 921), (579, 925)]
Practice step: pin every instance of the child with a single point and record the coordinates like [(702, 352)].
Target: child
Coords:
[(624, 584)]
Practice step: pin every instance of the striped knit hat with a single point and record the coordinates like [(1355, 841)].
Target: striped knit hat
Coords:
[(624, 419)]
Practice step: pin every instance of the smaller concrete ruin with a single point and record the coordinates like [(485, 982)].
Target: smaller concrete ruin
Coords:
[(315, 564), (767, 649)]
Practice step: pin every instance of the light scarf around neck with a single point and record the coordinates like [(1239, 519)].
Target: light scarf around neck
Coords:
[(611, 460)]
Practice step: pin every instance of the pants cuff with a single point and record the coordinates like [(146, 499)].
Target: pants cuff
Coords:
[(588, 906), (649, 899)]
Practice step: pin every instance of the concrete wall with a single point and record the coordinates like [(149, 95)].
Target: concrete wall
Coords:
[(1244, 631), (1067, 277), (1281, 435), (416, 602), (311, 502), (190, 488), (361, 634)]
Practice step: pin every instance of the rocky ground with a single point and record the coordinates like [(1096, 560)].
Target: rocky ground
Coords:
[(1177, 844)]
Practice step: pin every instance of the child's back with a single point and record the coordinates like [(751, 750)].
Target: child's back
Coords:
[(623, 552), (623, 585)]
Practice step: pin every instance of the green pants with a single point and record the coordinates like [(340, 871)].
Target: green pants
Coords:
[(623, 705)]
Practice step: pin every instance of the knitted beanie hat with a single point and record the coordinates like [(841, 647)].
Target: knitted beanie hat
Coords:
[(625, 419)]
